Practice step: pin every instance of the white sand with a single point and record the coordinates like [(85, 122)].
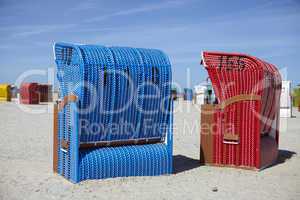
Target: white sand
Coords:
[(26, 166)]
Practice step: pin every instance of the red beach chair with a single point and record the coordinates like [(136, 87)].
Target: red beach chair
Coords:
[(29, 93), (45, 92), (242, 130)]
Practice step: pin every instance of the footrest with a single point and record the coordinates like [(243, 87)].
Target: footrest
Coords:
[(135, 160)]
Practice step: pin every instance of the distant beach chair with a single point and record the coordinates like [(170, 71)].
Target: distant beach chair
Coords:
[(188, 94), (5, 92), (29, 93), (45, 93), (115, 114), (242, 130)]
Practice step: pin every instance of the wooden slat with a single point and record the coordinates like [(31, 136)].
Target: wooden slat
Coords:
[(206, 137), (237, 98), (120, 143)]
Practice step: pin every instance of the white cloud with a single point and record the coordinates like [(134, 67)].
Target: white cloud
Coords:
[(30, 30), (141, 9)]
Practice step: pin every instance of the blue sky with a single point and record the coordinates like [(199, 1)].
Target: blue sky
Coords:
[(268, 29)]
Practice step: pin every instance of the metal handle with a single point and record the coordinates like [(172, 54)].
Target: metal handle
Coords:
[(230, 138)]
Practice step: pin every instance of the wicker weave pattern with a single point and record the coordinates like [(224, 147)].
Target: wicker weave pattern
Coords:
[(140, 160), (238, 74), (111, 85)]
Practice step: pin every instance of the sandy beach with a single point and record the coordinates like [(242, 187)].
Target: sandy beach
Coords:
[(26, 165)]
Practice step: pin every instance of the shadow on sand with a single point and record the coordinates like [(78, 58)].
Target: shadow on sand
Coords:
[(182, 163), (284, 155)]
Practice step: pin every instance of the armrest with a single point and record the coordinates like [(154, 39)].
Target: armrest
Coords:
[(237, 98), (66, 100), (60, 106)]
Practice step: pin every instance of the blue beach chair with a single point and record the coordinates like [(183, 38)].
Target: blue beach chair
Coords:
[(114, 117)]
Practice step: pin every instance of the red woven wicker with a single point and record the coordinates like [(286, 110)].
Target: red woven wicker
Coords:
[(244, 125), (29, 93)]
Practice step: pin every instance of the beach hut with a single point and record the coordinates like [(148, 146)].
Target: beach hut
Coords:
[(115, 114), (203, 94), (286, 99), (29, 93), (45, 93), (5, 92), (200, 91), (242, 130)]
